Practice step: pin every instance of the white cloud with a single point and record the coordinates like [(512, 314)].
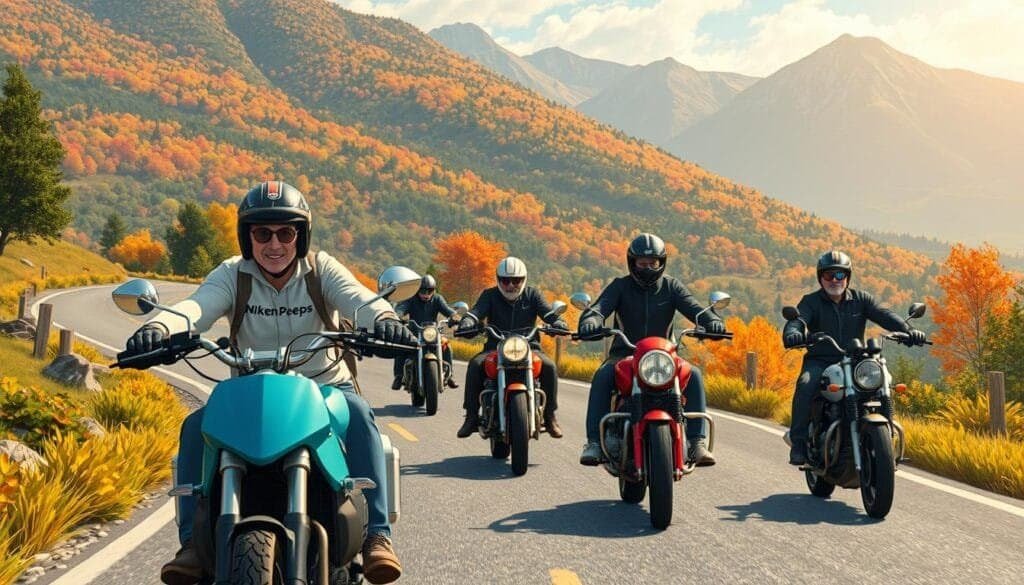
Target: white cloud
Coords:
[(980, 35)]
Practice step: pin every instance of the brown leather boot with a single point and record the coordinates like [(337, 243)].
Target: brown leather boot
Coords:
[(380, 563), (551, 425), (184, 568)]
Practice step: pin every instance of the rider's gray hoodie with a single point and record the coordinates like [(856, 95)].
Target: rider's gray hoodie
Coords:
[(273, 318)]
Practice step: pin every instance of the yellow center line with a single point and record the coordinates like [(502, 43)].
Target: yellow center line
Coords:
[(564, 577), (401, 431)]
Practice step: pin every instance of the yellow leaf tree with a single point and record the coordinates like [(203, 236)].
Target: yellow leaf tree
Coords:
[(138, 251), (469, 261)]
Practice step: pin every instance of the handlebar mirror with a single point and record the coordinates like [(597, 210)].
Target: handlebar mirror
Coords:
[(460, 307), (719, 300), (136, 297), (580, 300), (917, 310), (790, 313), (558, 307), (398, 283)]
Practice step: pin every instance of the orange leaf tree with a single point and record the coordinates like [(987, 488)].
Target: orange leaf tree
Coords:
[(138, 251), (777, 369), (469, 260), (976, 290)]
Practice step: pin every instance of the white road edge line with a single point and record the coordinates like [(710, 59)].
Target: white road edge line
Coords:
[(85, 572), (91, 568)]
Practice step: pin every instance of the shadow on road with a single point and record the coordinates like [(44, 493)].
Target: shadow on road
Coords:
[(481, 467), (595, 518), (798, 509), (400, 411)]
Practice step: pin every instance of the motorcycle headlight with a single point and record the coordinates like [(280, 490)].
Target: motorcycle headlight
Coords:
[(430, 334), (868, 375), (657, 368), (514, 349)]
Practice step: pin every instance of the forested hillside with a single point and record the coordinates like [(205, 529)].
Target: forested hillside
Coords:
[(396, 140)]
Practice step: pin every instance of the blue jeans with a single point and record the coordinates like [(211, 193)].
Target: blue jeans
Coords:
[(603, 384), (363, 462)]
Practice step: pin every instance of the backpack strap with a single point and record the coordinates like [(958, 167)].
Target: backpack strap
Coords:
[(316, 293), (243, 289)]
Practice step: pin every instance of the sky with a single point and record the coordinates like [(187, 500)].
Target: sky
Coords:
[(754, 37)]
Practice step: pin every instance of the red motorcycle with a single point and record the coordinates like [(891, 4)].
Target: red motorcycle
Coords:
[(642, 440)]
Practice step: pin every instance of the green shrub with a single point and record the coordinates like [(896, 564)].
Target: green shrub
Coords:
[(920, 399), (39, 414)]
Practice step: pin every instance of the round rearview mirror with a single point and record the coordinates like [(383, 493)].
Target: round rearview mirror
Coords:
[(460, 307), (917, 310), (136, 297), (580, 300), (558, 307), (790, 313), (720, 300), (398, 283)]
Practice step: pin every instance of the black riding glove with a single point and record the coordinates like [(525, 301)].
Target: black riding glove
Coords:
[(560, 324), (589, 329), (793, 339), (716, 327), (393, 331), (467, 323), (147, 338), (917, 337)]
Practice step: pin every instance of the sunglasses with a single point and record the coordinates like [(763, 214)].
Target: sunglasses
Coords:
[(507, 281), (285, 235), (837, 275), (426, 291)]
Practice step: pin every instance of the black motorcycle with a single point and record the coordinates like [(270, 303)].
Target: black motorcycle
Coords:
[(853, 429), (425, 374)]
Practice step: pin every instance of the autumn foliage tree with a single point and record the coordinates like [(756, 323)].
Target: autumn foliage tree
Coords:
[(139, 251), (777, 369), (224, 220), (975, 291), (469, 260)]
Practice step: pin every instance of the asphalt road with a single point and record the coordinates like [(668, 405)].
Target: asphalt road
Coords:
[(467, 519)]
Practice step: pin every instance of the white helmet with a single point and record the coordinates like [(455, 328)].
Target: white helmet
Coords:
[(512, 267)]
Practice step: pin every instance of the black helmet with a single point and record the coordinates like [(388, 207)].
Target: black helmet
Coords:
[(428, 283), (646, 246), (834, 260), (274, 202)]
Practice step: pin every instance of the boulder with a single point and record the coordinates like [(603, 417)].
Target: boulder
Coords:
[(92, 427), (19, 328), (73, 370), (21, 454)]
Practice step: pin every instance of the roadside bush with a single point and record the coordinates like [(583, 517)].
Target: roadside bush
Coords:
[(756, 402), (37, 413), (971, 414), (722, 390), (920, 399), (83, 349)]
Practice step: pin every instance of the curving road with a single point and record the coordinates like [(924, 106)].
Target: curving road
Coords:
[(467, 519)]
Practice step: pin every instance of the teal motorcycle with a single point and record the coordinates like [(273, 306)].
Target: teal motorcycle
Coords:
[(277, 503)]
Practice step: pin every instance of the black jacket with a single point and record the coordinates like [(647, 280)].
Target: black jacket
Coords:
[(844, 321), (424, 312), (519, 315), (645, 311)]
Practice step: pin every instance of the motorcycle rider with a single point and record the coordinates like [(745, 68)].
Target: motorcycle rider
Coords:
[(644, 303), (424, 308), (510, 306), (274, 226), (841, 312)]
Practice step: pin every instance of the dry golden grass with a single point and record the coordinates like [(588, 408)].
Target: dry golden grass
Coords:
[(138, 401), (972, 414)]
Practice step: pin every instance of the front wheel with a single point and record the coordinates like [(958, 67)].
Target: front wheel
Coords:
[(660, 474), (431, 383), (878, 471), (257, 559), (818, 485), (519, 432)]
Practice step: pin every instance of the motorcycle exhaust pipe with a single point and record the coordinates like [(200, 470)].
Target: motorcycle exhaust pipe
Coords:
[(829, 435)]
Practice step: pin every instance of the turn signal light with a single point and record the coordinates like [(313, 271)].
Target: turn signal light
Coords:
[(900, 388), (833, 387)]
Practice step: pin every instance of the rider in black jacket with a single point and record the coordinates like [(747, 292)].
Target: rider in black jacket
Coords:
[(842, 313), (423, 308), (644, 304), (510, 306)]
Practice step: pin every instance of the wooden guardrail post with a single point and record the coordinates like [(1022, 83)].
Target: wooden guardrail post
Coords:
[(42, 272), (997, 402), (43, 330), (751, 373), (23, 304), (67, 341)]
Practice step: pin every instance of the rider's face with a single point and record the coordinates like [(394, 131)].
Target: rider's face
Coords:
[(648, 263), (833, 287), (273, 255)]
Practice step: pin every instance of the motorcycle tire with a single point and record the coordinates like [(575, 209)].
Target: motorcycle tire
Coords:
[(632, 492), (818, 485), (431, 386), (878, 471), (660, 471), (519, 432), (257, 558), (416, 395)]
